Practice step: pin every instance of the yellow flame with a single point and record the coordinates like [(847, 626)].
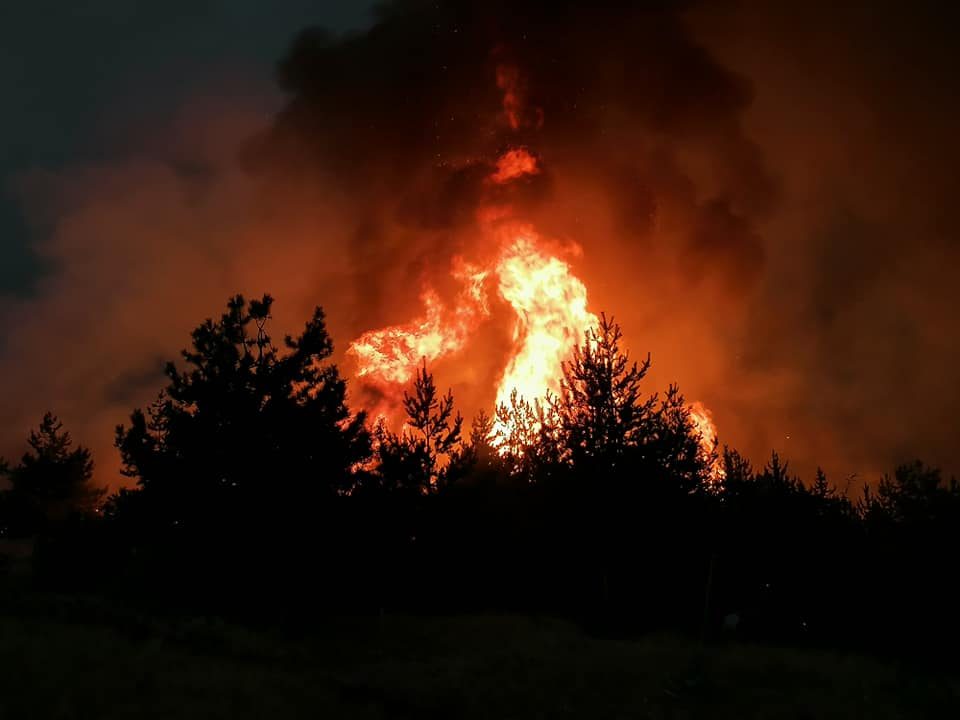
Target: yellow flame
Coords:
[(549, 300), (706, 430), (391, 355), (552, 317)]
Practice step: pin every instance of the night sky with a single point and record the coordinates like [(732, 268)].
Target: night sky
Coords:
[(769, 197)]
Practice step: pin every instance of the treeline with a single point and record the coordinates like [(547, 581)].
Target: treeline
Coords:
[(260, 495)]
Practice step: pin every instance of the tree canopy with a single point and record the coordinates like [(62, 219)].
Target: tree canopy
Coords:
[(52, 482), (256, 486), (246, 423)]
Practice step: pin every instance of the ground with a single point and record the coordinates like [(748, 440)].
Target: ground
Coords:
[(63, 662)]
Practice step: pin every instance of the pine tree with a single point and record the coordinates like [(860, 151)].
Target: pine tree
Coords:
[(478, 452), (245, 423), (53, 482), (821, 487), (737, 469), (420, 454), (527, 436), (600, 409), (671, 447), (480, 438)]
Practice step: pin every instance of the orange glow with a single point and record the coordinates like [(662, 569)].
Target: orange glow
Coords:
[(513, 164), (552, 317), (508, 80), (703, 427), (391, 355), (549, 302)]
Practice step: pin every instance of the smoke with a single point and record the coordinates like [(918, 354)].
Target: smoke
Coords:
[(637, 130), (779, 240), (855, 315), (141, 251)]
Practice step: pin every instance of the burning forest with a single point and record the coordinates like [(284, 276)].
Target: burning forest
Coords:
[(549, 303), (609, 312)]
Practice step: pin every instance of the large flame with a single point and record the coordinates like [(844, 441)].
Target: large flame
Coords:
[(549, 300), (550, 303), (552, 316), (391, 355)]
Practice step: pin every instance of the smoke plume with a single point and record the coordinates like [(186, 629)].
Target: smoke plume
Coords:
[(780, 241)]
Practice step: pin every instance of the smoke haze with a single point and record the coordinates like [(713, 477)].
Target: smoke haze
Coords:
[(763, 199)]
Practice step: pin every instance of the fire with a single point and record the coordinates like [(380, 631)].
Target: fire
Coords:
[(705, 429), (390, 356), (550, 303), (514, 164), (552, 316), (548, 299)]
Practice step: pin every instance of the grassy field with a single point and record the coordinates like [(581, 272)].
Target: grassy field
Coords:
[(56, 666)]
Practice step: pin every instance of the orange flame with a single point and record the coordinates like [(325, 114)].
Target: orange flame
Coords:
[(391, 355), (552, 316), (705, 429), (549, 300), (513, 164)]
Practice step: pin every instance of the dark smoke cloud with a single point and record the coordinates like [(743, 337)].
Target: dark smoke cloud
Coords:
[(638, 129), (857, 107), (763, 199)]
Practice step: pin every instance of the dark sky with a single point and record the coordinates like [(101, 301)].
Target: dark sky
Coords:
[(765, 194), (77, 75)]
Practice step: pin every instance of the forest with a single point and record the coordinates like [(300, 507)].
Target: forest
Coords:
[(256, 493)]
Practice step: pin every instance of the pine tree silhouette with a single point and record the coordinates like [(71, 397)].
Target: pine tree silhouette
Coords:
[(245, 423), (53, 482), (421, 452), (601, 411)]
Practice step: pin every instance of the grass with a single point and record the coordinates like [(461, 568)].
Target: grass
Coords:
[(69, 665)]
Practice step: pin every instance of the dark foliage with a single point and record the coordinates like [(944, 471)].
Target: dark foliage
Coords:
[(417, 458), (241, 459), (601, 410), (53, 483), (259, 494)]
